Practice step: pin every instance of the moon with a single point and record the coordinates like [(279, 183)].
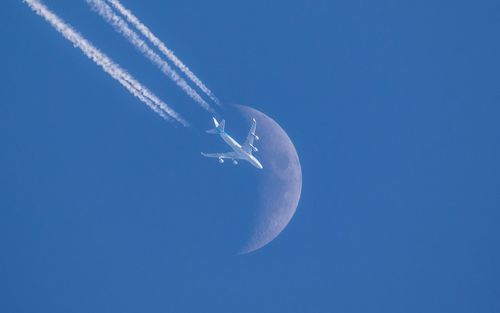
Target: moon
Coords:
[(280, 183)]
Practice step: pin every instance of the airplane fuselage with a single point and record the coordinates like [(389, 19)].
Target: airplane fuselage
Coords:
[(239, 150)]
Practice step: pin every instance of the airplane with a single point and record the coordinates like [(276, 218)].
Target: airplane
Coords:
[(240, 152)]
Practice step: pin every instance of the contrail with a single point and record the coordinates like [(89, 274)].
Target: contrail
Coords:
[(113, 69), (106, 12), (132, 19)]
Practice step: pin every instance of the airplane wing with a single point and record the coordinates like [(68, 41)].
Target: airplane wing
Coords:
[(225, 155), (248, 144)]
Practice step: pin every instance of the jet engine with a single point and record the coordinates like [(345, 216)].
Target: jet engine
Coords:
[(221, 160), (235, 162)]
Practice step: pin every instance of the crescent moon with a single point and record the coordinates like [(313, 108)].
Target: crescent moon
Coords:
[(281, 183)]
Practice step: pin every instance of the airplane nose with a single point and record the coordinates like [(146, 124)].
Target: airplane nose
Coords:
[(256, 162)]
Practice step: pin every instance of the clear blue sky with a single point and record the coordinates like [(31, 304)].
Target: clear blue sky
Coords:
[(393, 107)]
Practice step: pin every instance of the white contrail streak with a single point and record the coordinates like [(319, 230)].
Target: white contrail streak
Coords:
[(106, 12), (132, 19), (113, 69)]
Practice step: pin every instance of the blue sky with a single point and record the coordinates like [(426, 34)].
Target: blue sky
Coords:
[(393, 109)]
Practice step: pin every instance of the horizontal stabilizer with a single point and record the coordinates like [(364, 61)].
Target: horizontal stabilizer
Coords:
[(219, 127)]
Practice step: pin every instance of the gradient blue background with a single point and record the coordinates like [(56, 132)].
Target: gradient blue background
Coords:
[(393, 107)]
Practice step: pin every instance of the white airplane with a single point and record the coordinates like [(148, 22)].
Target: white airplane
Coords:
[(240, 152)]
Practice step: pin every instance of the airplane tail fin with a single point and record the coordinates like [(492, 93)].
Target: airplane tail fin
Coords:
[(219, 127)]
